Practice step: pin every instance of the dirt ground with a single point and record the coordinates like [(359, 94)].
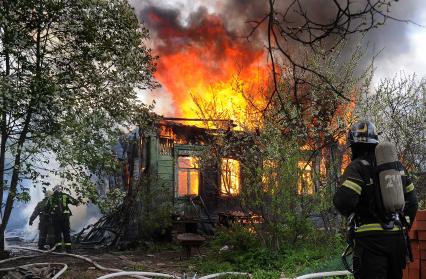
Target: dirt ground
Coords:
[(171, 260)]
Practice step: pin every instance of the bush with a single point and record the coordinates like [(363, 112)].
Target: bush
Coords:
[(238, 237), (245, 254)]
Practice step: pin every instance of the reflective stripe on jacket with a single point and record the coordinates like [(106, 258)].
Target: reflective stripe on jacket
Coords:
[(375, 227), (59, 203)]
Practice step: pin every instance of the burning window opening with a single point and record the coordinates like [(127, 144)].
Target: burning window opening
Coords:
[(166, 146), (188, 176), (230, 177), (305, 183)]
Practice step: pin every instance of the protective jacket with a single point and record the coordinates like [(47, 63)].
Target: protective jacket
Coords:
[(358, 195), (41, 211), (59, 204), (59, 207)]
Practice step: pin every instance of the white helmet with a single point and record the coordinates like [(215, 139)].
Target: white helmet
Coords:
[(48, 193), (57, 188)]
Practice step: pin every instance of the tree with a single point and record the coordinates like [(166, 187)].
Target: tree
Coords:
[(398, 108), (290, 166), (319, 26), (69, 71)]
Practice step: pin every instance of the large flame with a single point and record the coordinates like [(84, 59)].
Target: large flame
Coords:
[(209, 71)]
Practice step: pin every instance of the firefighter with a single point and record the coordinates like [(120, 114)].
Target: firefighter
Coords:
[(380, 246), (59, 208), (45, 220)]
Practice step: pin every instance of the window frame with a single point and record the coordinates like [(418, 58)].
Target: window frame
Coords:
[(222, 190), (188, 171)]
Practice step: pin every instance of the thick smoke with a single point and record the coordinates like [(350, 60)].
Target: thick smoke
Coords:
[(18, 226), (392, 40), (170, 34)]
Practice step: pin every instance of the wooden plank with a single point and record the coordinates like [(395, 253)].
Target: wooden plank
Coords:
[(165, 176), (165, 164), (165, 158)]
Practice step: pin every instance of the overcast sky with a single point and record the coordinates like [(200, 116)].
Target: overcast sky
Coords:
[(402, 46)]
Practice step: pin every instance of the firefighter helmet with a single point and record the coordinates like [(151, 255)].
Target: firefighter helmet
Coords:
[(48, 193), (364, 132), (57, 188)]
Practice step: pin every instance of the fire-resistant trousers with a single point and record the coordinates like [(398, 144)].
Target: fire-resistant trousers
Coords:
[(43, 228), (380, 256), (62, 231)]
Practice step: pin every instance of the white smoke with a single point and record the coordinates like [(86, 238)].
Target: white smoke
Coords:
[(18, 225)]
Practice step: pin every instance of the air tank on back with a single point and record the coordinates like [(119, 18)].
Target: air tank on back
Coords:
[(390, 174)]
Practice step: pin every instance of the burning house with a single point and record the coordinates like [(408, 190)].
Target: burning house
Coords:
[(182, 161), (177, 156), (207, 73)]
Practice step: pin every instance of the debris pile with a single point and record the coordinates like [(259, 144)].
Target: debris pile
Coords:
[(33, 272)]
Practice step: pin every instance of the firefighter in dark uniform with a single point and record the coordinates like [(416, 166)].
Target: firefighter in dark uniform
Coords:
[(380, 246), (59, 207), (45, 221)]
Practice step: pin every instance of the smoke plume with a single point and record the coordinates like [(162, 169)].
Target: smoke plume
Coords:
[(222, 28)]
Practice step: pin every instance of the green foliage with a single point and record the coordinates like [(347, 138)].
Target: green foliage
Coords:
[(139, 267), (69, 75), (290, 164), (397, 106), (155, 208), (272, 190), (316, 254), (111, 202), (238, 237)]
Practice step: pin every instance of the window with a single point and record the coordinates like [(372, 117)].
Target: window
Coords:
[(305, 183), (230, 177), (188, 176)]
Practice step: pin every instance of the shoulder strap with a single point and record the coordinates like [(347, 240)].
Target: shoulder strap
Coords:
[(375, 201), (391, 165)]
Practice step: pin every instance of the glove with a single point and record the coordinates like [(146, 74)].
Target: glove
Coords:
[(31, 223)]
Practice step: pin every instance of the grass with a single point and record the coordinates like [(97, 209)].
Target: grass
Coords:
[(247, 255)]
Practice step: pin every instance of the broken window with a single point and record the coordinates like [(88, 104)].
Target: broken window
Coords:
[(188, 176), (230, 177), (166, 146), (305, 183)]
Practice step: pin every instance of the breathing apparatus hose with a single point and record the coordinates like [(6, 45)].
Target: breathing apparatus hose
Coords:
[(348, 252), (350, 233)]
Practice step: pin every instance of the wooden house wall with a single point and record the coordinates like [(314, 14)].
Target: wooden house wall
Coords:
[(161, 163)]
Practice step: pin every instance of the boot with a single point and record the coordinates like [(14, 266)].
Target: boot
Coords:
[(59, 249)]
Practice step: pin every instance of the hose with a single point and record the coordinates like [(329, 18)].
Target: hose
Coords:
[(57, 275), (223, 273), (138, 274), (129, 273), (324, 274), (98, 266), (26, 257)]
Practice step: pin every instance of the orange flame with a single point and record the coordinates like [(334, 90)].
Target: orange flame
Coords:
[(209, 72)]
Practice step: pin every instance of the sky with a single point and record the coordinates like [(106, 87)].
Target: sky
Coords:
[(400, 45)]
